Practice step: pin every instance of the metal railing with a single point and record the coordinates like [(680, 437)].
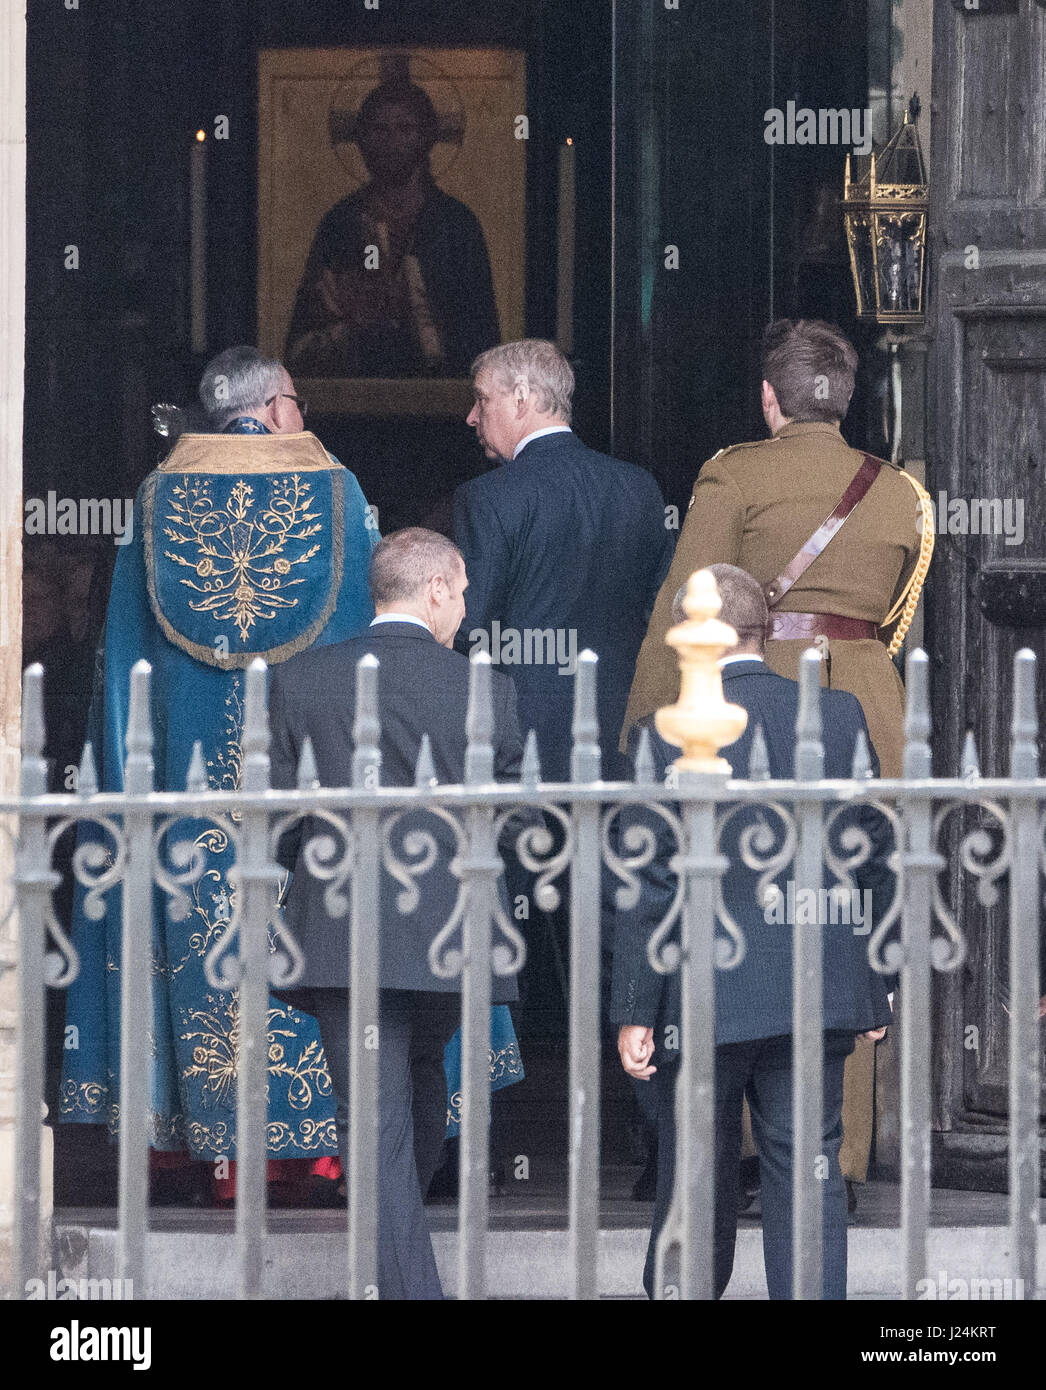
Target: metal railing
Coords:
[(479, 937)]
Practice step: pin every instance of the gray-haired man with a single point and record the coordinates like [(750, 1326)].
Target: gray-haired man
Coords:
[(565, 548), (244, 392)]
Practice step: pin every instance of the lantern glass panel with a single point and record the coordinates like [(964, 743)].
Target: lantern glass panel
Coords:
[(899, 262), (864, 263)]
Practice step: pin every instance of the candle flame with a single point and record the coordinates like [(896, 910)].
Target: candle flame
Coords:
[(570, 139), (201, 135)]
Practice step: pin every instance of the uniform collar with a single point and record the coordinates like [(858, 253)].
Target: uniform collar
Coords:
[(807, 427)]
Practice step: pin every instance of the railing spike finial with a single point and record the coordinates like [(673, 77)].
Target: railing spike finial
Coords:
[(809, 750), (970, 768), (530, 767), (308, 775), (255, 737), (758, 757), (701, 722), (87, 773), (644, 764), (586, 763), (34, 732), (425, 768), (917, 757), (1024, 730), (479, 724), (196, 776), (138, 773), (366, 727), (861, 767)]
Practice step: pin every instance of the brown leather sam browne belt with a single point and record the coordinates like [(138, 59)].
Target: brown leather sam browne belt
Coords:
[(791, 627)]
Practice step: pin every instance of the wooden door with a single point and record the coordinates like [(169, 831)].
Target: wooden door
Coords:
[(987, 445)]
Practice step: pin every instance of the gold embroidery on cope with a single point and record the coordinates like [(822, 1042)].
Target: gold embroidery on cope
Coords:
[(232, 546)]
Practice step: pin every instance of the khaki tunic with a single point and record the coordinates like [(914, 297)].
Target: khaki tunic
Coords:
[(754, 506)]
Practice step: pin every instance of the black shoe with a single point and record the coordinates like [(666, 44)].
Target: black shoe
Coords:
[(444, 1185), (325, 1193), (189, 1186)]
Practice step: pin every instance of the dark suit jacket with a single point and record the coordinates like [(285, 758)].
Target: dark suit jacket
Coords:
[(422, 688), (754, 1000), (570, 541)]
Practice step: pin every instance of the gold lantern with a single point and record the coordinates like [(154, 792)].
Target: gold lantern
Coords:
[(884, 210)]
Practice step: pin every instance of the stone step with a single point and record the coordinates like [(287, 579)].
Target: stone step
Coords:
[(306, 1258)]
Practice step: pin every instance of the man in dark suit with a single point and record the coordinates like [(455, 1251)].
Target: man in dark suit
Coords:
[(565, 548), (753, 1021), (417, 581)]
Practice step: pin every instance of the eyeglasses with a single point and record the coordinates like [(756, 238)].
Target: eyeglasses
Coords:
[(302, 405)]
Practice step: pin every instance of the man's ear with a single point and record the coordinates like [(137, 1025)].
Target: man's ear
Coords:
[(769, 396), (278, 414), (521, 393)]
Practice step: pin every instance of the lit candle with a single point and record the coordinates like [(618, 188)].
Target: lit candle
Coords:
[(565, 244), (198, 242)]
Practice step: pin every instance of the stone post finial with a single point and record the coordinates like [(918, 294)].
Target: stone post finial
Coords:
[(701, 722)]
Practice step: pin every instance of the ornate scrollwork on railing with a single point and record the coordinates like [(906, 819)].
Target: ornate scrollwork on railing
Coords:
[(97, 867), (322, 858), (855, 849), (767, 851), (1042, 840), (287, 959), (506, 957), (421, 849), (329, 858), (978, 857), (641, 843), (188, 859), (534, 850), (446, 959)]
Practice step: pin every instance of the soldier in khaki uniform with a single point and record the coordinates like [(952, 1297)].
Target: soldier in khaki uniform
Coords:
[(756, 506)]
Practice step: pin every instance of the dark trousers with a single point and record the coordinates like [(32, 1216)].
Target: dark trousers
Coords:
[(762, 1071), (414, 1027)]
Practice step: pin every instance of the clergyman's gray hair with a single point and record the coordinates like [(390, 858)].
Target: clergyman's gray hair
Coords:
[(537, 362), (238, 382), (404, 562), (744, 604)]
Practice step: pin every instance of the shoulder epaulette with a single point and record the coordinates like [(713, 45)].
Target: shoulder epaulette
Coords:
[(748, 444)]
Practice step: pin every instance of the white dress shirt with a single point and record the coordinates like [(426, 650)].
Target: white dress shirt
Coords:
[(399, 618), (549, 429), (739, 656)]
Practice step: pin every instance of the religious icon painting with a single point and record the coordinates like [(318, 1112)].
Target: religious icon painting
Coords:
[(391, 220)]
